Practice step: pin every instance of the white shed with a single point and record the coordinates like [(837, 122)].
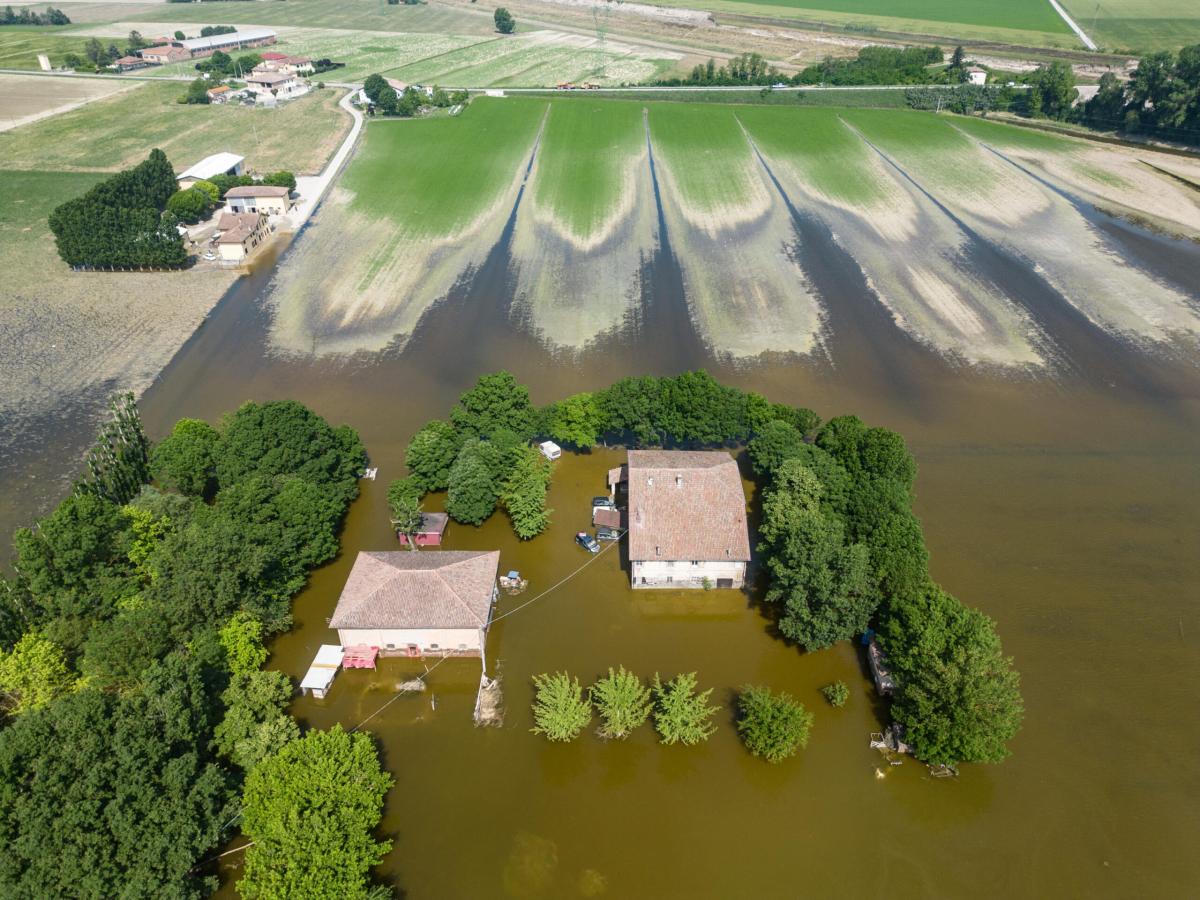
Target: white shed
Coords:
[(320, 674), (550, 450)]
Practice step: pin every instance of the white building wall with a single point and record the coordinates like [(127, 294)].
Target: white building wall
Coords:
[(428, 640), (684, 574)]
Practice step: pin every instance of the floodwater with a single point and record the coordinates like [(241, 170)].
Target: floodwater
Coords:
[(1064, 504)]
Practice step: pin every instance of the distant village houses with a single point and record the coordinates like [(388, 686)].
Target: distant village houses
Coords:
[(275, 85), (281, 62), (686, 519)]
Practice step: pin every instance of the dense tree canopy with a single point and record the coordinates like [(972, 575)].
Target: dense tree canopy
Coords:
[(119, 223), (310, 810), (161, 600), (1162, 98), (956, 691)]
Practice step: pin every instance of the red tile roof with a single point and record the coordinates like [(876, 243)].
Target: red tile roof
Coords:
[(686, 505), (427, 589)]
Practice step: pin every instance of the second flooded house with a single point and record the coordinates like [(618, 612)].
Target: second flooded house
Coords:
[(437, 603), (687, 520)]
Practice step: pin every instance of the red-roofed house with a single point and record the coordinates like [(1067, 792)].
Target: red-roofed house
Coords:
[(687, 520), (429, 603)]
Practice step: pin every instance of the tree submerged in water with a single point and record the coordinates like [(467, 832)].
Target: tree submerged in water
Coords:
[(622, 701), (559, 710), (773, 726), (682, 716)]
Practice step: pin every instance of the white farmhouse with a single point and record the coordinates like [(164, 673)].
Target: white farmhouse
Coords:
[(428, 603), (976, 75), (687, 520)]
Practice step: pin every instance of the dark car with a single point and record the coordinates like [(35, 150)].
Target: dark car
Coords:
[(607, 534), (605, 502), (587, 542)]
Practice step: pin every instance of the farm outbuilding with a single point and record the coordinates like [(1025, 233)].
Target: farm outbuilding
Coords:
[(430, 532), (224, 163), (437, 603), (320, 674)]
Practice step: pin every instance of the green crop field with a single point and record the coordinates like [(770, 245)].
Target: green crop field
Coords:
[(1022, 22), (362, 52), (1002, 135), (822, 150), (534, 60), (119, 131), (583, 160), (1138, 25), (356, 15), (435, 176), (708, 158), (908, 136), (20, 45)]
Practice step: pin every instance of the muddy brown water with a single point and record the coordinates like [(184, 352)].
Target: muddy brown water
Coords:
[(1063, 504)]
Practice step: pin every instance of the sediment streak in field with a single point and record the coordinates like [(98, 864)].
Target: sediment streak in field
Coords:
[(422, 205), (586, 225), (732, 236)]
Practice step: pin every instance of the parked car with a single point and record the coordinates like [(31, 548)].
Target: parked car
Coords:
[(603, 502), (587, 542), (607, 534)]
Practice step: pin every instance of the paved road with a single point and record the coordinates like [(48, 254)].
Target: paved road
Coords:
[(312, 188)]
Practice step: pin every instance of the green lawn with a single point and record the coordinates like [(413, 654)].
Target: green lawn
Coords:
[(25, 203), (119, 131), (1138, 25), (705, 153), (583, 160), (20, 45), (433, 177), (822, 150)]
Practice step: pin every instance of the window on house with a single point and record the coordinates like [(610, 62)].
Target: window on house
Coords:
[(695, 562), (433, 646)]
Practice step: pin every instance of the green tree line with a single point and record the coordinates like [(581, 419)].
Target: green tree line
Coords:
[(119, 223), (133, 705), (27, 16)]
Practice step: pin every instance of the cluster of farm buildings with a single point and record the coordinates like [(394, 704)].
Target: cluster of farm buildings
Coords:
[(686, 528), (245, 223), (280, 76)]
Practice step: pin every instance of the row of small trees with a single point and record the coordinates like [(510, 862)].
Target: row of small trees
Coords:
[(773, 726), (26, 16)]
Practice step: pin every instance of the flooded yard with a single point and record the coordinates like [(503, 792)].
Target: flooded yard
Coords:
[(1060, 498)]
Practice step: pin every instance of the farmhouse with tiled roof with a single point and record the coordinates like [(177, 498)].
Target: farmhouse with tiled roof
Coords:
[(687, 520)]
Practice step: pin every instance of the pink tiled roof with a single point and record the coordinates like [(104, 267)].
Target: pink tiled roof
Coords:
[(257, 190), (686, 505), (427, 589)]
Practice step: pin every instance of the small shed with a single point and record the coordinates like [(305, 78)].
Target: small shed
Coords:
[(429, 532), (976, 75), (320, 674), (618, 476), (608, 517), (550, 450)]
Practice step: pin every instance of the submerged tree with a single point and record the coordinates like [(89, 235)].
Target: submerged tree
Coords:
[(559, 710), (622, 701), (524, 495), (682, 716), (773, 726), (404, 501)]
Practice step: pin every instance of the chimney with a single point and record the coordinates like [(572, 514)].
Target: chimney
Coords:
[(678, 481), (650, 480)]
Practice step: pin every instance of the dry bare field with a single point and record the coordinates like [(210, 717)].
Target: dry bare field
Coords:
[(66, 335), (25, 98)]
